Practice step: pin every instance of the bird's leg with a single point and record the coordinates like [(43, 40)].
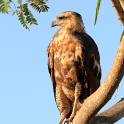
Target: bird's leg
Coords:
[(63, 103), (73, 111), (61, 119), (63, 115), (76, 101)]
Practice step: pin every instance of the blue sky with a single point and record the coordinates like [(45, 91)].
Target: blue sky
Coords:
[(26, 94)]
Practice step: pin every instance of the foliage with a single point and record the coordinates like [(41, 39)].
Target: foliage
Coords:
[(4, 5), (97, 11), (26, 17), (96, 15), (23, 12), (39, 6), (122, 35)]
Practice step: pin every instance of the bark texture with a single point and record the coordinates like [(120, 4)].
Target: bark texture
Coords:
[(122, 4), (119, 10), (111, 115)]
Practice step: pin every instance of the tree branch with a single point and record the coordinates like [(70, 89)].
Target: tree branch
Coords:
[(122, 3), (119, 10), (97, 100), (111, 115)]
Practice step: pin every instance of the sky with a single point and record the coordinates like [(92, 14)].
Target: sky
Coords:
[(26, 93)]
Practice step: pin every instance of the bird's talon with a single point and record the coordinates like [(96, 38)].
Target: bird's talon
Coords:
[(69, 120)]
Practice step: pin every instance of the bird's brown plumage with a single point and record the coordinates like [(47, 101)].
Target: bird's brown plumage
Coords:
[(73, 63)]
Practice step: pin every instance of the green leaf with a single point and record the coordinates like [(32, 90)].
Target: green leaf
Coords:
[(37, 1), (28, 15), (25, 16), (4, 6), (23, 21), (97, 11), (1, 1), (41, 7), (122, 35)]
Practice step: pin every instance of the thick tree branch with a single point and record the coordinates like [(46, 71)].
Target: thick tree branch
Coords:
[(97, 100), (111, 115), (119, 9), (122, 3)]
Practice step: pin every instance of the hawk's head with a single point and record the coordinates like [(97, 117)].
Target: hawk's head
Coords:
[(69, 20)]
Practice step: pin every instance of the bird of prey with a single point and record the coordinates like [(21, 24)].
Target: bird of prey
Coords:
[(73, 64)]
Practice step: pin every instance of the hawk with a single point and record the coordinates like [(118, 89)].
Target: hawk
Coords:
[(73, 64)]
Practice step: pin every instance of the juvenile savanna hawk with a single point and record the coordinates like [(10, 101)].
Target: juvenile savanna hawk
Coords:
[(73, 63)]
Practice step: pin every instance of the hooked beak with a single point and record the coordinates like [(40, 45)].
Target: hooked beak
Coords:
[(54, 23)]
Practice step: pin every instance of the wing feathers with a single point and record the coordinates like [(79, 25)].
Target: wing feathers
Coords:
[(51, 69)]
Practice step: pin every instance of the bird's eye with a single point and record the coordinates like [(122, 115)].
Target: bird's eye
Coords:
[(62, 17)]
